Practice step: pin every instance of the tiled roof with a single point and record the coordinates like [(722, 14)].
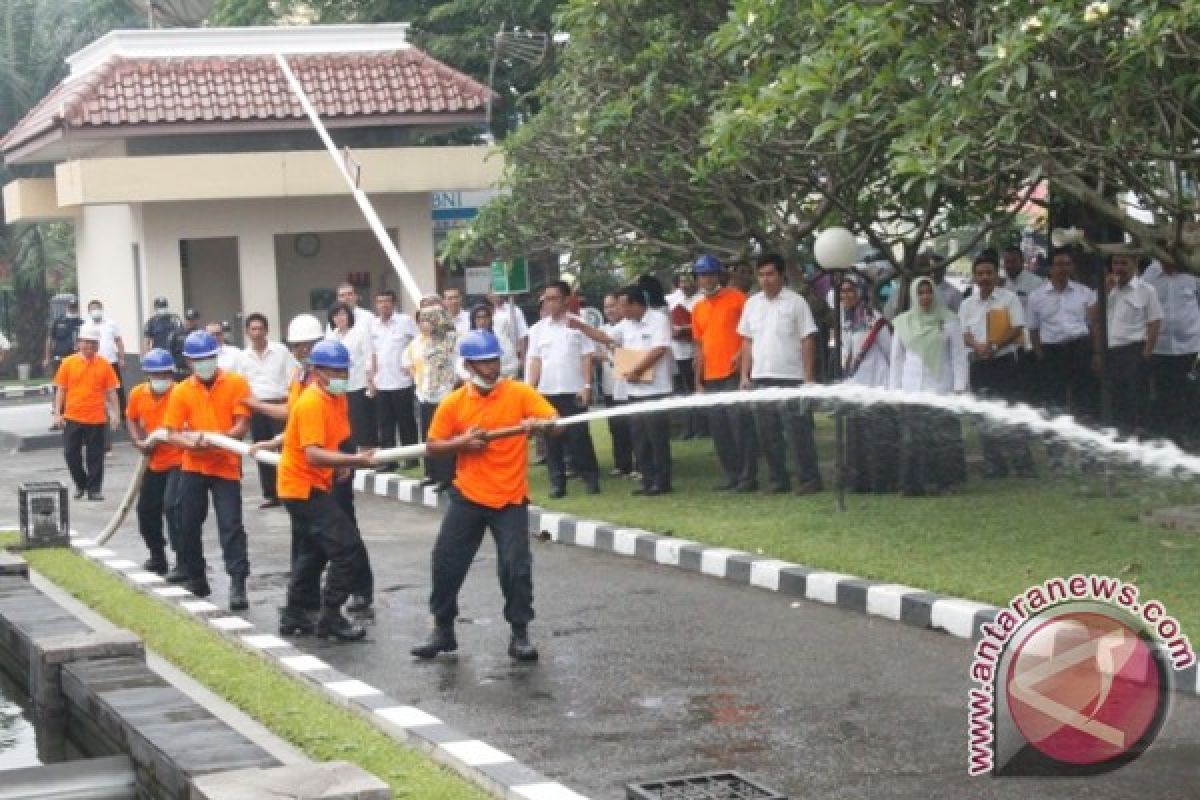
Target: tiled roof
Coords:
[(124, 93)]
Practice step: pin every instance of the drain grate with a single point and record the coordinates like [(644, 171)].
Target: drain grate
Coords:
[(709, 786)]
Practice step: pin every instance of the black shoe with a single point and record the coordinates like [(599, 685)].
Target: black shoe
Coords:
[(199, 588), (79, 493), (95, 497), (650, 491), (520, 648), (237, 593), (808, 488), (156, 563), (176, 575), (557, 492), (331, 623), (618, 473), (727, 486), (778, 489), (295, 622), (746, 487), (592, 485), (358, 604), (441, 640)]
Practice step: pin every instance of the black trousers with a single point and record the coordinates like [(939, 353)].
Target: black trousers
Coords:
[(695, 422), (323, 534), (458, 541), (264, 428), (622, 438), (1065, 379), (785, 428), (364, 424), (83, 449), (651, 434), (872, 449), (578, 438), (733, 435), (397, 411), (439, 469), (305, 592), (1003, 449), (160, 497), (1127, 374), (930, 449), (1173, 416), (108, 432), (227, 504)]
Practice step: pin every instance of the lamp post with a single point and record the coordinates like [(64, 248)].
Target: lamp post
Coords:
[(836, 250)]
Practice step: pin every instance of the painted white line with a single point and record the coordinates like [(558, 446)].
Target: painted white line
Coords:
[(145, 578), (765, 574), (75, 542), (822, 586), (550, 523), (585, 533), (475, 753), (431, 497), (715, 560), (360, 479), (352, 688), (956, 616), (120, 564), (381, 484), (886, 600), (172, 591), (264, 641), (546, 791), (199, 606), (407, 716), (406, 491), (666, 551), (303, 663), (625, 541), (99, 553), (230, 623)]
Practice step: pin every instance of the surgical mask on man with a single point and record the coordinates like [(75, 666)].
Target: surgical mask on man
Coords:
[(97, 314), (205, 369), (482, 382), (160, 385), (337, 386)]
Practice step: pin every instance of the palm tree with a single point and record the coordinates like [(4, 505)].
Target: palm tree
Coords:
[(36, 36)]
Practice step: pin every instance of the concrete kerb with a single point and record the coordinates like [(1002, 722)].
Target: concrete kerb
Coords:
[(906, 604), (495, 771)]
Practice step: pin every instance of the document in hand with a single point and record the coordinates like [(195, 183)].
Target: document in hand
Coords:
[(999, 326), (625, 359)]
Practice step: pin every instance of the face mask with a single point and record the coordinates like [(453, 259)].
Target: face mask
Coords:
[(481, 382), (205, 369), (97, 314), (336, 386), (160, 386)]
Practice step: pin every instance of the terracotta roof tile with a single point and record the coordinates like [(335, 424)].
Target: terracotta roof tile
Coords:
[(124, 92)]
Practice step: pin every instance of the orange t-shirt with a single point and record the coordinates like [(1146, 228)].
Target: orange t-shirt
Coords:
[(196, 407), (86, 382), (714, 327), (300, 381), (148, 411), (316, 418), (496, 476)]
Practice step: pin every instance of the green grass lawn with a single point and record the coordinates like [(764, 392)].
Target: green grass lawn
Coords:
[(987, 542), (291, 709)]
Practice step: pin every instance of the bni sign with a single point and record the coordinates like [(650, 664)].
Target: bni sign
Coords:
[(455, 209)]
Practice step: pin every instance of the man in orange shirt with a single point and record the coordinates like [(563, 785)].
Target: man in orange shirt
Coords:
[(85, 399), (144, 414), (491, 490), (210, 401), (318, 423), (718, 361)]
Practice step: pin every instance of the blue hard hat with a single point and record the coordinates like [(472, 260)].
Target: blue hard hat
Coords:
[(200, 344), (158, 360), (329, 354), (479, 345), (706, 264)]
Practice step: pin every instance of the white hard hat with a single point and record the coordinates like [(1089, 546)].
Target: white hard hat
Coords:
[(89, 332), (305, 328)]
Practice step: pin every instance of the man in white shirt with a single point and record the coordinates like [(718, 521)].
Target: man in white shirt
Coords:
[(648, 332), (228, 356), (112, 350), (348, 294), (5, 346), (679, 308), (614, 391), (1175, 352), (560, 368), (1017, 279), (391, 332), (779, 346), (452, 299), (993, 324), (1134, 322), (267, 366), (508, 321), (1061, 330)]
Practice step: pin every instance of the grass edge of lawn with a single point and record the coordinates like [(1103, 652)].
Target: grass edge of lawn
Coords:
[(289, 708)]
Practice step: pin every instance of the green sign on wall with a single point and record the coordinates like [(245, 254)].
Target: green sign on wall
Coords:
[(510, 277)]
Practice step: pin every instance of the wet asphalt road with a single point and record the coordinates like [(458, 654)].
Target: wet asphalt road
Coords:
[(649, 672)]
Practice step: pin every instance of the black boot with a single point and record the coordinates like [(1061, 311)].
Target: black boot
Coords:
[(176, 575), (332, 623), (359, 604), (198, 587), (237, 593), (295, 622), (520, 648), (441, 640), (156, 563)]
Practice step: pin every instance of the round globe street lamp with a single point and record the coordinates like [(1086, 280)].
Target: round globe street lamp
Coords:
[(836, 250)]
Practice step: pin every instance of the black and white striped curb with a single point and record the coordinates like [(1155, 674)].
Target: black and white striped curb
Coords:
[(906, 604), (494, 770), (26, 391)]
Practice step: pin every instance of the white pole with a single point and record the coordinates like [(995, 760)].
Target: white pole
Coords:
[(360, 197)]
